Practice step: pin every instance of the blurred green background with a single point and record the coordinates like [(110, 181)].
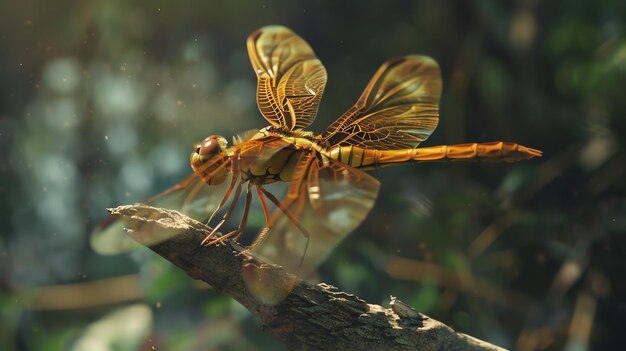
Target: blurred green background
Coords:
[(102, 100)]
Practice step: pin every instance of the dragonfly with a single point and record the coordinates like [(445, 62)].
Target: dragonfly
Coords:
[(328, 191)]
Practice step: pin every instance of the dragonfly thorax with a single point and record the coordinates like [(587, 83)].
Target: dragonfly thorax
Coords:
[(210, 161)]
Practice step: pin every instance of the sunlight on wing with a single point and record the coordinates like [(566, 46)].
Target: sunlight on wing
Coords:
[(398, 109), (291, 79), (329, 201), (191, 196)]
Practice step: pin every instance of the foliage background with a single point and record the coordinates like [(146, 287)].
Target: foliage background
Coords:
[(101, 101)]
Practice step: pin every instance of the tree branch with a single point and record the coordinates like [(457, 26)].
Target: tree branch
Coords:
[(302, 316)]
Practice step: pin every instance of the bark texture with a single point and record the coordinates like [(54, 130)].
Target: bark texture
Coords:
[(301, 315)]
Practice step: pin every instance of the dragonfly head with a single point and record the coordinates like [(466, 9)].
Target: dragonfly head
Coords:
[(209, 158)]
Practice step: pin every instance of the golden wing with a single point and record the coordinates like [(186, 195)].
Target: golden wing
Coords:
[(398, 109), (291, 79), (191, 196), (329, 200)]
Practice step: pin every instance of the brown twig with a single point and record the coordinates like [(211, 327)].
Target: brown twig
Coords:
[(302, 316)]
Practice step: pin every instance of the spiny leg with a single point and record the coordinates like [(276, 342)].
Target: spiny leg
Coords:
[(246, 211), (234, 166), (233, 204), (266, 209), (294, 220), (283, 208), (225, 198), (244, 220), (268, 219)]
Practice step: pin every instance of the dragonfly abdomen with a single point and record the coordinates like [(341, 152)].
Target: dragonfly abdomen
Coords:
[(498, 151)]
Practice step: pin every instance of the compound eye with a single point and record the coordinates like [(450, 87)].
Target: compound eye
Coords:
[(209, 146)]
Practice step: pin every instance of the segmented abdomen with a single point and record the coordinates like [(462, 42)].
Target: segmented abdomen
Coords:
[(493, 151)]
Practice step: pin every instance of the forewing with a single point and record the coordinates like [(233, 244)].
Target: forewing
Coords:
[(192, 197), (330, 201), (291, 79), (398, 109)]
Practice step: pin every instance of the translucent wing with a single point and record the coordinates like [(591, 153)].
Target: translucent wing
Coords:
[(291, 79), (330, 200), (398, 109), (192, 197)]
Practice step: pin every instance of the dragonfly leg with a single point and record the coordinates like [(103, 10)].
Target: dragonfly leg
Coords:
[(229, 191), (266, 209), (232, 206), (246, 211), (294, 220), (285, 210), (268, 219), (234, 166), (242, 225), (220, 239)]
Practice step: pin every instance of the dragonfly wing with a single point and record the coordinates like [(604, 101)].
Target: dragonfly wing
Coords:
[(329, 200), (398, 109), (191, 196), (291, 79)]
